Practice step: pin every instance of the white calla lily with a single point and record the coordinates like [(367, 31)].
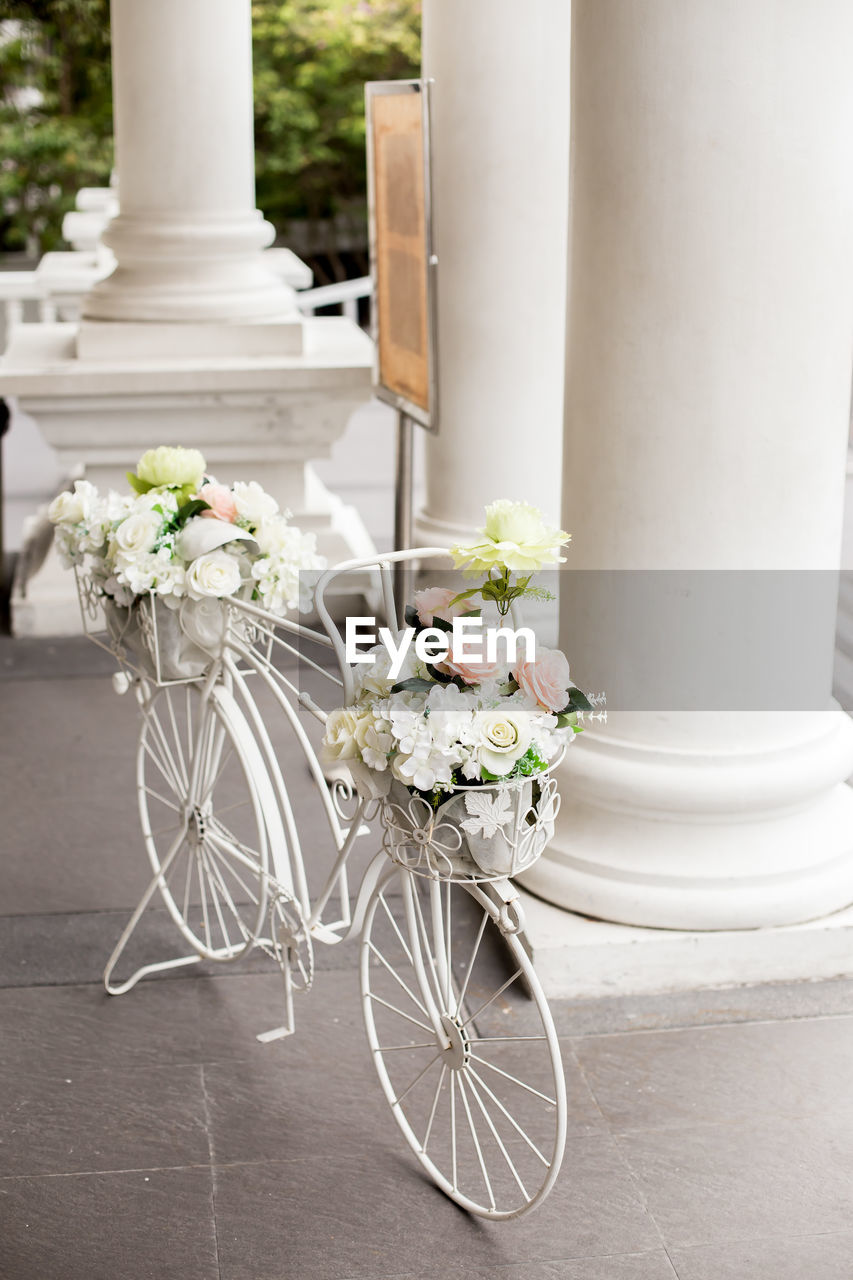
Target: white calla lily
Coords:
[(200, 536)]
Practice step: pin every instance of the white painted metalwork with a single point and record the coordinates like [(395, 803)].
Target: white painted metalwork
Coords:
[(484, 1110)]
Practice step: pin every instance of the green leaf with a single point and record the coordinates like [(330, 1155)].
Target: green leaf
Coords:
[(442, 625), (439, 675), (411, 616), (416, 684), (579, 701), (567, 720), (138, 486), (190, 509), (464, 595)]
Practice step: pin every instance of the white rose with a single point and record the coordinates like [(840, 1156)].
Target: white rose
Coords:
[(503, 738), (216, 574), (339, 740), (66, 508), (253, 503), (138, 533)]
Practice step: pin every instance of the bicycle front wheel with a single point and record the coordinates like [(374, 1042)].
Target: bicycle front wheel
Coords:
[(202, 814), (473, 1077)]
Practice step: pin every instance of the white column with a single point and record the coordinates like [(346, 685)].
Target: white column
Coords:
[(708, 384), (188, 238), (500, 188)]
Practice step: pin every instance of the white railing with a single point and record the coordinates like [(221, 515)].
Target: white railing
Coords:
[(346, 294), (18, 288)]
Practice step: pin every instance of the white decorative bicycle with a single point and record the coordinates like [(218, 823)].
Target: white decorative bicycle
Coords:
[(479, 1098)]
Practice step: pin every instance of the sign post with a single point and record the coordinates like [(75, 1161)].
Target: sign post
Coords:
[(403, 267)]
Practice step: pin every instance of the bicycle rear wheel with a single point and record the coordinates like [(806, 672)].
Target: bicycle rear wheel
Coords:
[(479, 1097), (199, 775)]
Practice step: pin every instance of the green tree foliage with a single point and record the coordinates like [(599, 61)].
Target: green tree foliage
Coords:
[(311, 58), (55, 114)]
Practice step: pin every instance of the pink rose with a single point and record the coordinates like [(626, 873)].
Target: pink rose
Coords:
[(471, 668), (220, 501), (434, 602), (546, 680)]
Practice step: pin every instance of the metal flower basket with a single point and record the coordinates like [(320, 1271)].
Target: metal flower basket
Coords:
[(484, 832), (165, 645)]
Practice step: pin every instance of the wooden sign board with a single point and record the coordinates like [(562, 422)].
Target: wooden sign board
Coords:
[(402, 262)]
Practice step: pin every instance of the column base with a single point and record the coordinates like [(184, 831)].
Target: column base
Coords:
[(703, 839), (578, 958), (106, 340)]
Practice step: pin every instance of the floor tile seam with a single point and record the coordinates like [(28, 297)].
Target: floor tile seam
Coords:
[(8, 676), (69, 915), (211, 1151), (771, 1119), (700, 1026), (513, 1266), (621, 1156), (92, 1070), (590, 1091), (100, 1173), (727, 1241)]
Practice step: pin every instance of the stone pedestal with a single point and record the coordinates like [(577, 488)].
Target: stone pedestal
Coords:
[(253, 418)]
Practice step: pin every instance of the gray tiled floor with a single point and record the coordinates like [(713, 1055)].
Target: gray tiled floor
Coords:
[(152, 1136)]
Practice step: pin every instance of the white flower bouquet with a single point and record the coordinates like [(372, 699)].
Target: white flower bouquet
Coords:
[(458, 751), (183, 546)]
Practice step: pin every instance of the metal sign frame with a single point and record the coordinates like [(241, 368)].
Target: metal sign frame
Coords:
[(427, 418)]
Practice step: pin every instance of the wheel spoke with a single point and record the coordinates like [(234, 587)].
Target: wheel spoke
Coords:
[(488, 1119), (438, 1089), (531, 1144), (211, 879), (170, 804), (398, 1048), (190, 741), (480, 1159), (418, 1077), (373, 996), (177, 737), (502, 1039), (217, 872), (423, 933), (168, 777), (449, 968), (453, 1127), (515, 1080), (492, 998), (476, 948), (220, 769), (173, 826), (227, 852), (398, 979), (188, 883), (178, 773), (396, 928), (204, 914)]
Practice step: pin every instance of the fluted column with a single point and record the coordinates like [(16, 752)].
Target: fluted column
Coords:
[(500, 189), (708, 383), (188, 238)]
